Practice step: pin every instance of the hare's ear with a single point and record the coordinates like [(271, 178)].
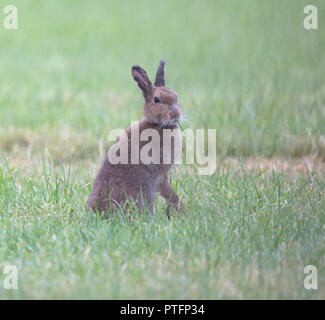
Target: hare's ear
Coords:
[(160, 75), (141, 78)]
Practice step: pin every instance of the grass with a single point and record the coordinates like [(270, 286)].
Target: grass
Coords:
[(246, 236), (247, 69)]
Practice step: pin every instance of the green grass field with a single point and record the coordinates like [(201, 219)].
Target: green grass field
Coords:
[(245, 68)]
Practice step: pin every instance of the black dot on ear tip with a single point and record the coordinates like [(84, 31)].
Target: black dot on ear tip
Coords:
[(135, 66)]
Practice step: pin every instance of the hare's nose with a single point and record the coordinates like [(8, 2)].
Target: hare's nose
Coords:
[(174, 111)]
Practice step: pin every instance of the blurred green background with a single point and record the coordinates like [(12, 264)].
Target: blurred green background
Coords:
[(248, 69)]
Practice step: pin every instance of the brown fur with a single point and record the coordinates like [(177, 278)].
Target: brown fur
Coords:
[(115, 183)]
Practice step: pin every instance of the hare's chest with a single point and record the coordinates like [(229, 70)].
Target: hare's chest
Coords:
[(171, 147), (159, 148)]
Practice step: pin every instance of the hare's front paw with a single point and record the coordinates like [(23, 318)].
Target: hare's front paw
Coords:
[(174, 208)]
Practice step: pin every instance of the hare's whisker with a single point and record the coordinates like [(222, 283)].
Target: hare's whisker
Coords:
[(179, 124)]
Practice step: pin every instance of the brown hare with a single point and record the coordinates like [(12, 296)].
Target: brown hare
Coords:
[(116, 183)]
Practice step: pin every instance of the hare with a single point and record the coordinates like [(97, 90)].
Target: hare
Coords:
[(140, 182)]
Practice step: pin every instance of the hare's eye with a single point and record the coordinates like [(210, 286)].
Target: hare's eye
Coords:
[(156, 100)]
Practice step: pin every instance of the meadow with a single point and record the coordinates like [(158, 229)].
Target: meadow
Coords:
[(248, 69)]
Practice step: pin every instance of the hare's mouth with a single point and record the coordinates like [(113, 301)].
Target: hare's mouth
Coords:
[(165, 124), (169, 124), (176, 121)]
